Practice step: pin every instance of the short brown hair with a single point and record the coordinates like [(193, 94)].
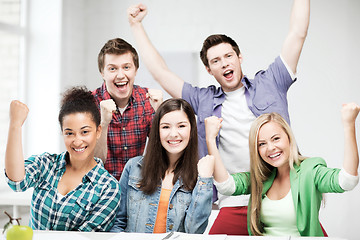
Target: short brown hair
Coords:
[(214, 40), (117, 46)]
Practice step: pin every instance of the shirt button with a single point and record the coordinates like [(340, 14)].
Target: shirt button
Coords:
[(123, 129), (171, 206), (125, 148), (171, 226)]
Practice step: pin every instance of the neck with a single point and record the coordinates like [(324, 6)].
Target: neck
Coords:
[(81, 166), (122, 103), (283, 172)]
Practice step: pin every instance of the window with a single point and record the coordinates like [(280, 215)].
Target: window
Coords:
[(12, 36)]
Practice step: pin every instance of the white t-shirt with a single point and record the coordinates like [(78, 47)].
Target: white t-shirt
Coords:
[(237, 120), (279, 216)]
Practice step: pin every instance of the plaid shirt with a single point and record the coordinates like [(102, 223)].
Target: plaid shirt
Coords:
[(91, 206), (127, 132)]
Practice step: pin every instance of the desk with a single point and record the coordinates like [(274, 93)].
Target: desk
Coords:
[(57, 235)]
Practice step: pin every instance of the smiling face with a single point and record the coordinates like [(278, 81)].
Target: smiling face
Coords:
[(80, 135), (225, 66), (174, 133), (119, 75), (274, 145)]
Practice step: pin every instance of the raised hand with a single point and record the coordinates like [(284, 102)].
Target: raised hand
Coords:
[(156, 97), (18, 113), (212, 127), (349, 112), (136, 13), (107, 107)]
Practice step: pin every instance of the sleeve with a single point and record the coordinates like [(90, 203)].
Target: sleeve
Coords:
[(197, 214), (347, 181), (121, 215), (242, 183), (326, 179), (34, 168), (276, 75), (103, 214), (195, 95), (227, 187)]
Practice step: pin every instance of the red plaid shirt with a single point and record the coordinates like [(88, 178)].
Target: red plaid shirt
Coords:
[(127, 132)]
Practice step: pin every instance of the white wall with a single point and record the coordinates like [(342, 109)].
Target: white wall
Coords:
[(326, 72)]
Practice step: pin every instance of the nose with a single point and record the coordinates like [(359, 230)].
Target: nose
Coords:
[(77, 141), (173, 132), (224, 63), (271, 146), (120, 74)]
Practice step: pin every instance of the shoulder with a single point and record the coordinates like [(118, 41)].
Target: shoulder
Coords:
[(209, 89), (141, 91), (312, 162), (135, 162), (47, 158), (105, 179)]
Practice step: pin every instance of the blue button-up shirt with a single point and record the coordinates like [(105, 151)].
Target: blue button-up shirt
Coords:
[(266, 93), (91, 206), (188, 211)]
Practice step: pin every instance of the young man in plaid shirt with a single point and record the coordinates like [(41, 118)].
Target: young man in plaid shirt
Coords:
[(126, 109)]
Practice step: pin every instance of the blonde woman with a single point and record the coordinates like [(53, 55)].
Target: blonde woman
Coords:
[(286, 188)]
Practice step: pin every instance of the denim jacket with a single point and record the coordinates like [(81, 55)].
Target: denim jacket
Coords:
[(188, 211)]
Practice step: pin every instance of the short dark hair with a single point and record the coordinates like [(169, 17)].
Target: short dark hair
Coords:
[(156, 161), (79, 100), (214, 40), (117, 46)]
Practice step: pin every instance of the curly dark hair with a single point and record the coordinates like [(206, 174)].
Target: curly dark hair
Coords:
[(79, 99)]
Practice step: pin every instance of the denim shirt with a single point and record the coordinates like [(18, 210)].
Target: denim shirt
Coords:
[(266, 93), (188, 211)]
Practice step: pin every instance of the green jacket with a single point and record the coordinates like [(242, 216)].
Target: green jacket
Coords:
[(308, 182)]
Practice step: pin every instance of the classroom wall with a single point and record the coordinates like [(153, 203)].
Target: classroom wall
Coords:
[(326, 71)]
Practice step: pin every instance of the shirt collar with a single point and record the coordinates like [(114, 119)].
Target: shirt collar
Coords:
[(90, 176)]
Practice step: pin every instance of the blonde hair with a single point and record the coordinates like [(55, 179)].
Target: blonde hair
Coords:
[(260, 170)]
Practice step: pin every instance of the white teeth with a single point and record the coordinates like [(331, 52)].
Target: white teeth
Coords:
[(173, 142), (275, 155), (79, 149), (227, 72), (121, 83)]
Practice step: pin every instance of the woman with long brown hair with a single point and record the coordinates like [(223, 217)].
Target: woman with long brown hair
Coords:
[(286, 188), (167, 189)]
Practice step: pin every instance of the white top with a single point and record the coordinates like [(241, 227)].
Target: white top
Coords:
[(237, 120), (279, 216)]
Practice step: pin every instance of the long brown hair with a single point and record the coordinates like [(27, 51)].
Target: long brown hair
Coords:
[(156, 161), (260, 170)]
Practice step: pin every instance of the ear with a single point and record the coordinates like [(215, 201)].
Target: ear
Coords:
[(98, 132), (208, 70), (240, 58)]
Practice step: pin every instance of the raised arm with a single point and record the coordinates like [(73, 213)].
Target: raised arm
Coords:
[(150, 56), (349, 113), (212, 127), (107, 107), (299, 23), (14, 157)]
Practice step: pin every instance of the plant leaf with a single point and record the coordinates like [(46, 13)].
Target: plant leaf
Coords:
[(7, 225)]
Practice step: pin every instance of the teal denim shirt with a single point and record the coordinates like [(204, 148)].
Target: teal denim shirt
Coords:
[(188, 211)]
